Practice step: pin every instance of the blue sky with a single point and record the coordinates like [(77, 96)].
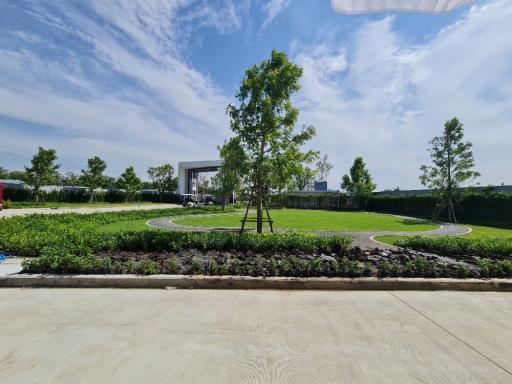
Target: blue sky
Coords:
[(145, 82)]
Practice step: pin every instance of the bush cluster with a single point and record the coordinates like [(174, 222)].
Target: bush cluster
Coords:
[(174, 241), (78, 234), (28, 235), (490, 247)]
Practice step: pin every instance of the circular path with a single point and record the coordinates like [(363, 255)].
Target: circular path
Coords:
[(364, 239)]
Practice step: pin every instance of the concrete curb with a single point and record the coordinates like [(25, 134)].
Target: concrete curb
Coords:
[(247, 282)]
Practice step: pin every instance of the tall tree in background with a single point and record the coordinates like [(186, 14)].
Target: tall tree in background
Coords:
[(452, 167), (43, 170), (163, 178), (304, 180), (130, 182), (323, 167), (93, 177), (359, 184), (228, 179), (3, 173), (70, 179), (263, 124)]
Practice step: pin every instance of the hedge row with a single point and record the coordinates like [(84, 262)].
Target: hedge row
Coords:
[(491, 247), (79, 234), (477, 208), (82, 196)]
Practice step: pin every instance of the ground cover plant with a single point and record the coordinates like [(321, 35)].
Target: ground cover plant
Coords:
[(311, 220), (490, 241)]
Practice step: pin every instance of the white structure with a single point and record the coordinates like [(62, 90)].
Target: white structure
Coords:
[(14, 184), (188, 171), (373, 6)]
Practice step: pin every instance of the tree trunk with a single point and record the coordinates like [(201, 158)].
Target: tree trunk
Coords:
[(91, 198), (259, 211), (36, 191)]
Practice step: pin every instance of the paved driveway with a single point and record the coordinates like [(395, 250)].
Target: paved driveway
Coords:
[(195, 336), (134, 207)]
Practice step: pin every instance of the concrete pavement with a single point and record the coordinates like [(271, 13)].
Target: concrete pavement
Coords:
[(208, 336), (133, 207)]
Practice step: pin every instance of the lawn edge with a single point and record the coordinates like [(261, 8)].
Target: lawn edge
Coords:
[(247, 282)]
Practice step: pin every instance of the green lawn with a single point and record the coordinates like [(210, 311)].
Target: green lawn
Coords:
[(477, 232), (127, 225), (304, 220)]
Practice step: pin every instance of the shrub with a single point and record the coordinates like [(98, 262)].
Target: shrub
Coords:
[(492, 247)]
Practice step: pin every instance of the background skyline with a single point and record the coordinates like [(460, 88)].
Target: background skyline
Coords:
[(146, 82)]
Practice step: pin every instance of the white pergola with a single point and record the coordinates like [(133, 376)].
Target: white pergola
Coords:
[(374, 6)]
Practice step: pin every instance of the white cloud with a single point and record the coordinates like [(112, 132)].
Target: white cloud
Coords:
[(389, 99), (272, 9), (125, 93)]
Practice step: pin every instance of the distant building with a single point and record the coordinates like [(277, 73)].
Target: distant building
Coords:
[(14, 184), (320, 186), (420, 192)]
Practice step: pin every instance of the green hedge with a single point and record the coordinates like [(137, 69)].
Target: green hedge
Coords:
[(490, 247), (79, 234), (477, 208), (337, 201), (82, 196)]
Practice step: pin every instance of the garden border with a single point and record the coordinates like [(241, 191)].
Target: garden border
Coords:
[(247, 282)]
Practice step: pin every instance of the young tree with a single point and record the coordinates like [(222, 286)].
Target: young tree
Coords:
[(305, 179), (228, 179), (130, 182), (359, 184), (93, 177), (163, 178), (43, 170), (452, 167), (263, 124), (323, 167)]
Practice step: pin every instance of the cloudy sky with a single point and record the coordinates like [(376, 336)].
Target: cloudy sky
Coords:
[(145, 82)]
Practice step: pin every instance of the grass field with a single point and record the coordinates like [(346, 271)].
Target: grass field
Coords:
[(315, 220), (127, 225), (477, 232)]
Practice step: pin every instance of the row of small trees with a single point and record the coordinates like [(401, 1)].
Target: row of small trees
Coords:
[(43, 170), (265, 153)]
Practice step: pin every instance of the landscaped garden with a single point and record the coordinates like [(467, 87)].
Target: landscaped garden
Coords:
[(316, 220), (122, 242)]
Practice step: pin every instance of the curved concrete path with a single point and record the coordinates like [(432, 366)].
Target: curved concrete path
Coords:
[(362, 238)]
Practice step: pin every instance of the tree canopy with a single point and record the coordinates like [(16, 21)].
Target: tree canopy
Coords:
[(92, 177), (43, 169), (263, 124), (452, 167), (162, 178), (130, 182), (323, 168), (359, 184)]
